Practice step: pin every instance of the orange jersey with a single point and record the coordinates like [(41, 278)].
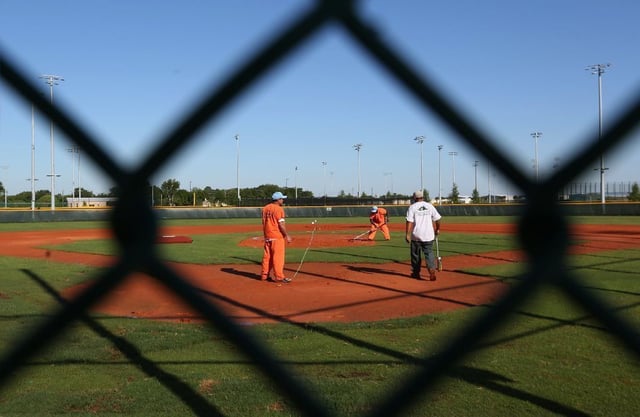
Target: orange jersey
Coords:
[(272, 215), (378, 217)]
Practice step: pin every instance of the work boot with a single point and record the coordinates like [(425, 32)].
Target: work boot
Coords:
[(432, 274)]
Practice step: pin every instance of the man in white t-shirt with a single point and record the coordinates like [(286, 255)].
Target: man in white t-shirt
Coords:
[(422, 227)]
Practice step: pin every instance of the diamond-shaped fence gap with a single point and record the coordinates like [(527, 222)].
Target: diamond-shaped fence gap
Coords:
[(181, 390), (616, 325), (461, 345), (257, 66), (264, 360), (614, 136), (72, 128), (49, 329), (433, 100)]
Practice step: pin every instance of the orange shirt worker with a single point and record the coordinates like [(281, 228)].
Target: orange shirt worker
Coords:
[(379, 219), (275, 234)]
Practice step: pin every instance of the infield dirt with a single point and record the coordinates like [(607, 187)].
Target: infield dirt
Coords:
[(321, 292)]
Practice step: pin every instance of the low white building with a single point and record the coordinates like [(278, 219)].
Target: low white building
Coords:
[(90, 202)]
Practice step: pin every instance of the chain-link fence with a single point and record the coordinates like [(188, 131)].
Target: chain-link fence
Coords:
[(542, 230)]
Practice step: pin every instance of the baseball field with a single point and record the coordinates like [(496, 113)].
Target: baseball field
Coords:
[(351, 327)]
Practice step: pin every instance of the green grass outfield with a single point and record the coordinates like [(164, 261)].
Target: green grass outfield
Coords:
[(550, 358)]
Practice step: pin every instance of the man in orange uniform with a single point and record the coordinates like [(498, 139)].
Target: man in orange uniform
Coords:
[(275, 234), (379, 219)]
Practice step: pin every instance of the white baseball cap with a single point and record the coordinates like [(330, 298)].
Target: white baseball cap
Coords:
[(278, 195)]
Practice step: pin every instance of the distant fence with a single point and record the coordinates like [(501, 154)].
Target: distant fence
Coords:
[(569, 209)]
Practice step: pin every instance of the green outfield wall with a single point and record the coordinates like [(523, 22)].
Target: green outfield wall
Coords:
[(78, 214)]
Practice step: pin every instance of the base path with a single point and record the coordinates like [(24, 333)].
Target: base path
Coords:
[(321, 292)]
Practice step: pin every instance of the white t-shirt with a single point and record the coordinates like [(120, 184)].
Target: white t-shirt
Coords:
[(422, 215)]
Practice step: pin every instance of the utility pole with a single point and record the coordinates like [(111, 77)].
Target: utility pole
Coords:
[(599, 69), (52, 80)]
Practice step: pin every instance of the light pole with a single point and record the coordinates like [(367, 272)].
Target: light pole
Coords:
[(453, 166), (357, 147), (439, 180), (489, 182), (33, 159), (4, 186), (389, 174), (295, 180), (475, 173), (238, 167), (324, 180), (599, 69), (73, 174), (420, 140), (74, 150), (536, 136), (52, 80), (79, 183)]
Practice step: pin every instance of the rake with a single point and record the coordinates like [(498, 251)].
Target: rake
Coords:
[(438, 258), (367, 232)]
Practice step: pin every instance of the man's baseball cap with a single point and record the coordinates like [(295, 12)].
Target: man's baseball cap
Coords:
[(278, 195), (418, 194), (374, 209)]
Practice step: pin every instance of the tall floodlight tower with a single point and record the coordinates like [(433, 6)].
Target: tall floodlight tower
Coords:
[(4, 186), (238, 167), (73, 150), (475, 174), (295, 180), (33, 159), (389, 174), (439, 178), (324, 180), (535, 136), (420, 140), (453, 167), (357, 147), (599, 69), (52, 80)]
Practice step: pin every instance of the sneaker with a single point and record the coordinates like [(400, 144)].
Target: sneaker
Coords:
[(283, 280), (416, 275)]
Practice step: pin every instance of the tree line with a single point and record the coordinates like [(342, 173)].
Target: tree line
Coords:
[(169, 193)]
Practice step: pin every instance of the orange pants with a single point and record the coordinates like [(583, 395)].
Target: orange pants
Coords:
[(384, 229), (273, 258)]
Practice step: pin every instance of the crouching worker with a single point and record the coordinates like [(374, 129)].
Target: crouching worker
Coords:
[(379, 219)]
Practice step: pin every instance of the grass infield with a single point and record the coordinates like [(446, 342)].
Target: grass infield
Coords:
[(549, 358)]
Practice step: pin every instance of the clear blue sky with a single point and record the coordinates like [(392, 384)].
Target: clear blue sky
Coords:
[(131, 68)]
